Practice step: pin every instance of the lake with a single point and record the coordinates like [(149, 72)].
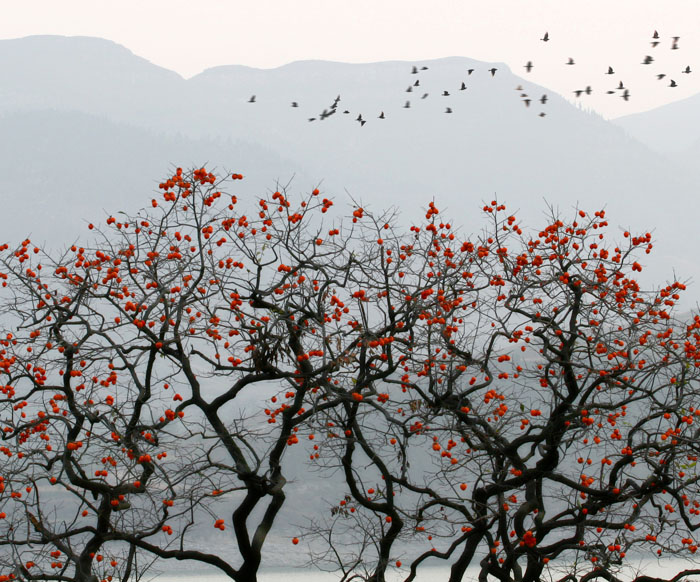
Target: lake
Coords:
[(649, 567)]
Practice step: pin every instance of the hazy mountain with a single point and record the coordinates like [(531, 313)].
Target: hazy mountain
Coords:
[(64, 169), (669, 129), (142, 119)]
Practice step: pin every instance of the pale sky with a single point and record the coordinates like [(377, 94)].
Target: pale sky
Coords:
[(189, 36)]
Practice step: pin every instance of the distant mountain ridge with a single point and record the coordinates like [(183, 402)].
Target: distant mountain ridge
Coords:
[(95, 107), (670, 129)]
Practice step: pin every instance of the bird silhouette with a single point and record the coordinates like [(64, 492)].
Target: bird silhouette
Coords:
[(626, 95), (588, 90), (424, 68), (408, 105), (448, 110), (252, 99), (414, 71), (570, 61), (362, 122), (687, 70), (656, 34), (527, 102), (493, 71), (359, 117), (295, 104), (417, 83), (410, 89), (312, 119), (519, 88), (674, 46), (545, 38), (660, 76), (620, 86), (542, 114), (445, 93), (470, 71), (528, 66), (346, 112), (381, 115), (673, 83), (610, 71), (424, 95), (648, 60), (463, 87), (654, 43), (543, 99)]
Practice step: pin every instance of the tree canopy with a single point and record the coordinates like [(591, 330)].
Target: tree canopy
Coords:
[(513, 400)]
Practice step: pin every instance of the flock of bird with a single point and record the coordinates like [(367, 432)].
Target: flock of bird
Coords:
[(415, 86)]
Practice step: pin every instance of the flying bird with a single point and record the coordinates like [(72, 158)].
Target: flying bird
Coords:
[(620, 86), (527, 102), (660, 76), (252, 99), (528, 66), (656, 34), (295, 104), (362, 122), (673, 83), (579, 92), (414, 71), (448, 110), (543, 99), (470, 71), (493, 71), (410, 89), (674, 46), (589, 90), (542, 114), (463, 87), (408, 105), (519, 88), (626, 95), (312, 119), (417, 83), (570, 61), (359, 117), (610, 71), (424, 68), (654, 43), (346, 112), (545, 38), (424, 95), (445, 93), (687, 70), (381, 115), (648, 60)]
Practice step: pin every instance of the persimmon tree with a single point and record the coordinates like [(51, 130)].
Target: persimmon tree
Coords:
[(126, 358), (542, 422), (509, 401)]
